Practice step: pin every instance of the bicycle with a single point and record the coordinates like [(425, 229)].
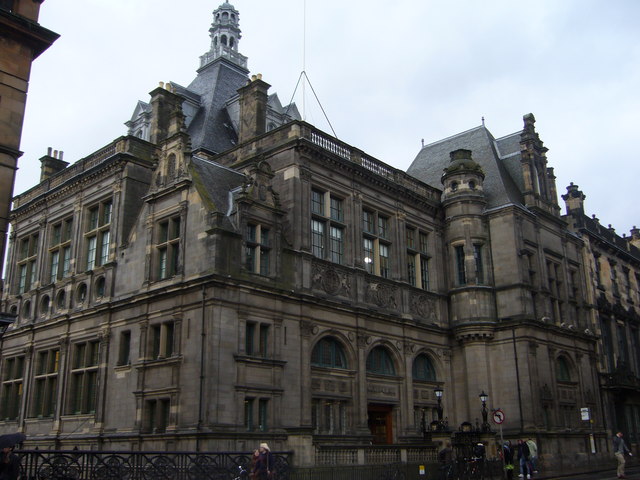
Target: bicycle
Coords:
[(242, 474)]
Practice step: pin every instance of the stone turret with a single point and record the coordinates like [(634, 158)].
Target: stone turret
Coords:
[(539, 181), (467, 238)]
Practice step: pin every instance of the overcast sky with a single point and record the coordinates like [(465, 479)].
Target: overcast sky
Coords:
[(387, 73)]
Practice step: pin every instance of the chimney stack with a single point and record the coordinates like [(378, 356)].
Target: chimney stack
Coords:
[(253, 108), (52, 163), (167, 117)]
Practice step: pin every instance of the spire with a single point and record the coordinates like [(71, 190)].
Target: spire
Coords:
[(225, 35)]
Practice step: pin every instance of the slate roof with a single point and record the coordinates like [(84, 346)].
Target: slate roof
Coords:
[(499, 159), (214, 182), (216, 83)]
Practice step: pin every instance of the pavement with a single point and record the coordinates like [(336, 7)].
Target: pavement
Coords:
[(632, 473)]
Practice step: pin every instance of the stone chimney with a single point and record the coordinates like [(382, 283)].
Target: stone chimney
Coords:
[(574, 200), (167, 117), (634, 239), (253, 108), (52, 163)]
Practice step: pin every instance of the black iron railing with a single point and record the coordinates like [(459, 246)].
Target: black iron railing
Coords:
[(112, 465)]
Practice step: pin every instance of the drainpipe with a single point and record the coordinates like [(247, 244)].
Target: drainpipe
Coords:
[(202, 351), (515, 355)]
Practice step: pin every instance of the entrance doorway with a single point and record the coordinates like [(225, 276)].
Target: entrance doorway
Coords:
[(381, 424)]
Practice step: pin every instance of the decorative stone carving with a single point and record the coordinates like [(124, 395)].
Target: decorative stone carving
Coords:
[(382, 295), (330, 280), (307, 328), (422, 306), (363, 340)]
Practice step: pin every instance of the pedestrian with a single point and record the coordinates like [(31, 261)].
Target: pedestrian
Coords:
[(445, 457), (533, 451), (523, 458), (9, 464), (263, 469), (619, 449), (507, 457), (252, 464)]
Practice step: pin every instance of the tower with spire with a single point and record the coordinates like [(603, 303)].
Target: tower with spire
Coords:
[(225, 35)]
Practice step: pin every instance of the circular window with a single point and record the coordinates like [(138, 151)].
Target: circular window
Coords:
[(454, 186), (26, 309), (472, 185), (45, 303), (100, 287), (81, 293), (60, 300)]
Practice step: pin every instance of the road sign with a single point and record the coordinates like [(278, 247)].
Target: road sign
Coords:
[(498, 416), (584, 413)]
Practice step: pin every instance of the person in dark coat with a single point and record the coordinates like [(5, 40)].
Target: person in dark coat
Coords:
[(264, 468), (9, 465), (507, 456), (523, 458)]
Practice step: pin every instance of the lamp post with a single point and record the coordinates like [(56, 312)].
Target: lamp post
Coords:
[(485, 424), (438, 391)]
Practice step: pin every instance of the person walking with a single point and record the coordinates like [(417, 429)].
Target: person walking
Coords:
[(619, 449), (533, 451), (9, 464), (445, 457), (507, 457), (523, 459), (263, 468)]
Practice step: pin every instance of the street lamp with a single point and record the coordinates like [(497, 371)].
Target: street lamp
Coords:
[(438, 391), (485, 424)]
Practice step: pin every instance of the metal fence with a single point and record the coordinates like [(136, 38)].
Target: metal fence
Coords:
[(112, 465)]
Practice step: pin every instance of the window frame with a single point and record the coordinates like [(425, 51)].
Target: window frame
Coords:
[(97, 234), (327, 225)]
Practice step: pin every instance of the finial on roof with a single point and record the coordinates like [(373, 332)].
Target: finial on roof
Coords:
[(483, 120), (423, 143)]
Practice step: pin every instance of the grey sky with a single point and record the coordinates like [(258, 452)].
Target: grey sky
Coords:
[(388, 74)]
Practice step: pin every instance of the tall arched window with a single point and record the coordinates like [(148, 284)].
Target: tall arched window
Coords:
[(328, 352), (423, 369), (379, 361), (563, 373)]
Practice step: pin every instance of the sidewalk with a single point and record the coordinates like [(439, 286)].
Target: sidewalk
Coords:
[(608, 474)]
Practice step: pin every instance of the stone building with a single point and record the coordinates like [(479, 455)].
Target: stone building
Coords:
[(22, 40), (227, 274), (612, 264)]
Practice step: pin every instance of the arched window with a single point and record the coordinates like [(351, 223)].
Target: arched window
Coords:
[(328, 352), (231, 42), (379, 361), (423, 369), (223, 40), (563, 373)]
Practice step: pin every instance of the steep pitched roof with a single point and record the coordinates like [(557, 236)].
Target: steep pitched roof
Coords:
[(216, 83), (499, 159), (215, 182)]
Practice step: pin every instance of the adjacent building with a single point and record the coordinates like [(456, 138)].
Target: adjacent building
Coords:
[(612, 264), (226, 274), (22, 40)]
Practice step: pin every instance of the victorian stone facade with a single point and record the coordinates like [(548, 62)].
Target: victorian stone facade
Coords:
[(612, 265), (227, 274)]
